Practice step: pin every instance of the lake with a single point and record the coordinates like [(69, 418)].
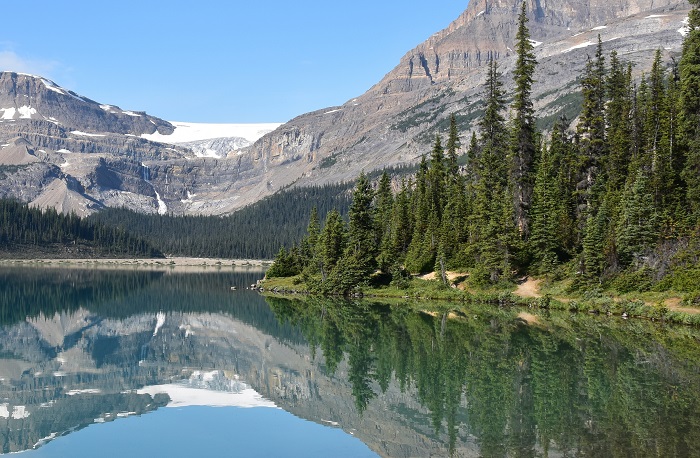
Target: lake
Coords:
[(140, 362)]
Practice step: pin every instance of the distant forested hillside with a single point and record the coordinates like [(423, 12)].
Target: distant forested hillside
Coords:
[(30, 232), (254, 232)]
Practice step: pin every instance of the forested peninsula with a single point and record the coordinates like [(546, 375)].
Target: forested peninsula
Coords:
[(611, 204)]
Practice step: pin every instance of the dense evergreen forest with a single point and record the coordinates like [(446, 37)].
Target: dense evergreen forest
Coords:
[(254, 232), (27, 231), (613, 201)]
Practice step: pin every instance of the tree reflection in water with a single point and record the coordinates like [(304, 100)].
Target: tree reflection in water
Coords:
[(571, 385)]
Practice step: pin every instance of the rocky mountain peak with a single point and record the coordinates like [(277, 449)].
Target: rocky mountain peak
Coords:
[(487, 28), (24, 96)]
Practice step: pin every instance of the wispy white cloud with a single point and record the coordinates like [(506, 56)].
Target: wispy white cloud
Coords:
[(11, 61)]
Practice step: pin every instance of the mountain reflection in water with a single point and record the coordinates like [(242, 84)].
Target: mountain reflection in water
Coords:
[(80, 347)]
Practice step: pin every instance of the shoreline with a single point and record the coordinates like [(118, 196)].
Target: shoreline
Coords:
[(177, 263)]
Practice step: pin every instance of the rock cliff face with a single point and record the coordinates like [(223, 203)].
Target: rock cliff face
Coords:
[(29, 97), (58, 148)]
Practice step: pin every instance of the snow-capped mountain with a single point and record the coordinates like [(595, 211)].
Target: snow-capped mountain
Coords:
[(63, 150)]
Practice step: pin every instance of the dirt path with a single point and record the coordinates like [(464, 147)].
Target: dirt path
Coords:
[(674, 304), (529, 288)]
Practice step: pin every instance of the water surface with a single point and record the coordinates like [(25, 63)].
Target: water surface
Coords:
[(144, 363)]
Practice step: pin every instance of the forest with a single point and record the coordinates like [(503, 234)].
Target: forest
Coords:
[(614, 200), (29, 231), (254, 232)]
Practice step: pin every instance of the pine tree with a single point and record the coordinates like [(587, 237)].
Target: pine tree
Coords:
[(402, 222), (548, 211), (492, 225), (384, 203), (689, 69), (655, 116), (452, 147), (591, 126), (420, 256), (636, 227), (524, 141), (359, 259), (331, 243), (618, 117)]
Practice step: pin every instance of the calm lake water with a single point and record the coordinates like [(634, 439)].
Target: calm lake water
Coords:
[(159, 363)]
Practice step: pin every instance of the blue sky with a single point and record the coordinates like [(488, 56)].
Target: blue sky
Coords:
[(217, 60)]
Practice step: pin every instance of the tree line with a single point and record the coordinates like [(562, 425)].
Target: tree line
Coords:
[(26, 230), (615, 199)]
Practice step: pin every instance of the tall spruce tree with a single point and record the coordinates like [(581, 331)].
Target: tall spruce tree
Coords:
[(384, 203), (492, 222), (331, 245), (402, 222), (618, 117), (591, 126), (452, 168), (550, 222), (524, 138), (421, 251), (359, 259)]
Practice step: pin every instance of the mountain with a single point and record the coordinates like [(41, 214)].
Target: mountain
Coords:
[(397, 119), (64, 150)]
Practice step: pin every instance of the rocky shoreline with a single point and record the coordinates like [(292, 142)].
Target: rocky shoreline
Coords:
[(174, 263)]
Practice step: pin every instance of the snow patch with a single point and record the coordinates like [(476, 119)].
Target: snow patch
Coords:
[(535, 43), (333, 111), (51, 86), (8, 113), (600, 27), (65, 151), (131, 113), (162, 207), (208, 152), (685, 29), (480, 13), (189, 132), (189, 200), (86, 134), (160, 316), (579, 46), (655, 16), (182, 396), (44, 440), (18, 412), (83, 391)]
